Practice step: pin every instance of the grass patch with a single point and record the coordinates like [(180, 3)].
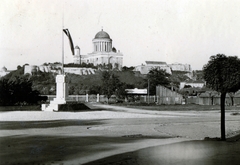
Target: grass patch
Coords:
[(20, 108), (186, 107)]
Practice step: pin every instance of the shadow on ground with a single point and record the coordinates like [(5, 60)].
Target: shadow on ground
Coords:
[(55, 149), (17, 125), (191, 152)]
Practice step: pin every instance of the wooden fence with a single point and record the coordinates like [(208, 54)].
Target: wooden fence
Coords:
[(212, 100), (167, 96)]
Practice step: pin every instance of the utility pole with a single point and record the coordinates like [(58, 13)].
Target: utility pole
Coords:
[(148, 91)]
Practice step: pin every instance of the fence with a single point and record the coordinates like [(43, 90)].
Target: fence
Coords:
[(167, 96), (212, 100), (85, 98), (148, 99), (163, 96)]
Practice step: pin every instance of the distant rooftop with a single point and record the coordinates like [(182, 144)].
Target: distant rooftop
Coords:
[(136, 91), (197, 81), (156, 62)]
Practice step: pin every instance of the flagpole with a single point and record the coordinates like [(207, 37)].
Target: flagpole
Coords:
[(63, 41)]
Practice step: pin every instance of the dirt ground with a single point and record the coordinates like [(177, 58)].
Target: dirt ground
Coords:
[(117, 135)]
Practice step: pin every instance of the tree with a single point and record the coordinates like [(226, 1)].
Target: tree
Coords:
[(18, 91), (110, 84), (125, 68), (231, 95), (94, 89), (5, 93), (221, 73), (156, 77), (121, 93)]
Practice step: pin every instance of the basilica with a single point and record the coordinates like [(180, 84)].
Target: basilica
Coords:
[(103, 52)]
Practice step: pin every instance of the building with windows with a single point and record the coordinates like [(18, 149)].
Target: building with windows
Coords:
[(192, 83), (4, 71), (103, 54), (144, 69)]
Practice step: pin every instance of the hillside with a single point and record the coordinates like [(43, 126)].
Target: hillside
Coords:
[(82, 84)]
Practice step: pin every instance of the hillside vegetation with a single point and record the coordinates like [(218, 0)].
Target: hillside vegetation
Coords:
[(91, 84)]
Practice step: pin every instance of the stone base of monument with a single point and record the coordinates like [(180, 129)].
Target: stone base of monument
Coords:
[(54, 105), (73, 107), (61, 102), (64, 107)]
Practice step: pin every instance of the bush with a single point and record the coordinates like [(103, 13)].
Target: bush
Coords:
[(18, 91)]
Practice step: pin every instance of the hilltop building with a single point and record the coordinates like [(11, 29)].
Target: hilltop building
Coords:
[(4, 71), (191, 83), (144, 69), (103, 52)]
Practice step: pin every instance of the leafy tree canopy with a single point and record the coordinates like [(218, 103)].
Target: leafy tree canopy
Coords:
[(18, 91), (110, 83), (157, 77), (222, 73)]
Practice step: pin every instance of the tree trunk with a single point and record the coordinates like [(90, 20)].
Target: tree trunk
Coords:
[(232, 101), (223, 96)]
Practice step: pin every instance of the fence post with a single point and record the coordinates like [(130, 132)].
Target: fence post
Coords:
[(97, 98), (86, 97)]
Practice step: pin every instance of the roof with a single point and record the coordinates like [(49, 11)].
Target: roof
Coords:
[(102, 34), (4, 69), (76, 47), (156, 62), (136, 91)]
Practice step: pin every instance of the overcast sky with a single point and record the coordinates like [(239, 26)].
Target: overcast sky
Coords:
[(183, 31)]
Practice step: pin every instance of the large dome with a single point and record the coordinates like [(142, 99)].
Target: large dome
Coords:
[(102, 34)]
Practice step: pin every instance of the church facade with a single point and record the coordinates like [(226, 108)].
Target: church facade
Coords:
[(103, 54)]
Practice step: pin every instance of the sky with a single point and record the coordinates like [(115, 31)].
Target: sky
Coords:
[(173, 31)]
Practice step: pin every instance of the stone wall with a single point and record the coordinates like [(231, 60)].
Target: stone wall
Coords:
[(31, 69), (180, 67), (144, 69), (80, 71)]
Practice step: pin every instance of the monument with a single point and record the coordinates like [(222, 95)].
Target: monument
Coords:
[(61, 84), (61, 95), (62, 101)]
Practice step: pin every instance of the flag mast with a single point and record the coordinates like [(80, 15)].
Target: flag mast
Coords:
[(63, 41)]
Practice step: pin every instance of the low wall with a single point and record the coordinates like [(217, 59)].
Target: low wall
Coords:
[(211, 100), (85, 98)]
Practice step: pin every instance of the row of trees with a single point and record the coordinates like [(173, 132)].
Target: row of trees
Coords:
[(18, 91)]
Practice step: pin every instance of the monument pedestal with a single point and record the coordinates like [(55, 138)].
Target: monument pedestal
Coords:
[(61, 95)]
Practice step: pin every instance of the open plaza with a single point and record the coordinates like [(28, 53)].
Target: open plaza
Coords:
[(110, 134)]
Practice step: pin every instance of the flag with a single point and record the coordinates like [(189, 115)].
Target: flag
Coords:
[(66, 31)]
